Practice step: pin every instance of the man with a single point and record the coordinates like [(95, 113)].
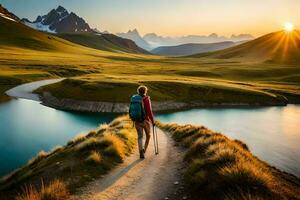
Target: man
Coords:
[(141, 113)]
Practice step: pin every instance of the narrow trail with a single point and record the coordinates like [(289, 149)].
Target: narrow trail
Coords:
[(156, 177)]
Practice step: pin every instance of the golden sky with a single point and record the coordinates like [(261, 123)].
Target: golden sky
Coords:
[(173, 17)]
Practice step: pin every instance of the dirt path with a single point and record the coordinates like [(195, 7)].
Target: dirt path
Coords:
[(154, 178)]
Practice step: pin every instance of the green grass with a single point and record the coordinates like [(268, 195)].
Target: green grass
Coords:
[(112, 75), (220, 168), (105, 42), (180, 91), (81, 160), (278, 47)]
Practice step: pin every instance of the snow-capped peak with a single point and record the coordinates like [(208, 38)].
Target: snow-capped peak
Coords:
[(59, 20)]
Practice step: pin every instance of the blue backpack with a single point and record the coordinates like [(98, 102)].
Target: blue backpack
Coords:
[(136, 108)]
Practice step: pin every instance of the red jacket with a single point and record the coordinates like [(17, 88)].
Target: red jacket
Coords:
[(148, 109)]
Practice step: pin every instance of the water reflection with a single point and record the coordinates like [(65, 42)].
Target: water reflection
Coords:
[(26, 127), (272, 133)]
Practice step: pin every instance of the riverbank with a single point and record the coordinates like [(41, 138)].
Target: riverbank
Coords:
[(220, 168), (38, 91), (84, 158), (215, 167), (48, 99)]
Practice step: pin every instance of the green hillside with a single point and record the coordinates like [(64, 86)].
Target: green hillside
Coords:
[(278, 47), (17, 35), (105, 42)]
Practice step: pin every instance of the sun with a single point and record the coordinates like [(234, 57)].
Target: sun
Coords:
[(289, 27)]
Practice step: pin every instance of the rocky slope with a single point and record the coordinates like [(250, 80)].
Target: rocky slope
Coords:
[(8, 15), (136, 37), (59, 20)]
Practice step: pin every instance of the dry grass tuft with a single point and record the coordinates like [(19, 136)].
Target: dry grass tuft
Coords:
[(220, 168), (77, 139), (117, 147), (94, 157), (56, 190), (91, 134), (41, 155)]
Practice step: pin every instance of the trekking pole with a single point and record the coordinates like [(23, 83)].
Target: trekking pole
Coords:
[(156, 140)]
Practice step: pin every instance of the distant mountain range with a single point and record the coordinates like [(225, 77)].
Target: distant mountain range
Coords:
[(155, 40), (59, 20), (152, 40), (136, 37), (190, 49)]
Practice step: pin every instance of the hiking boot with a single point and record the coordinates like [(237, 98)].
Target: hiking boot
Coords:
[(142, 156)]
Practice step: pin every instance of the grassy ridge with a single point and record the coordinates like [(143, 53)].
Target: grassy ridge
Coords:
[(220, 168), (105, 42), (83, 159), (116, 91), (278, 47)]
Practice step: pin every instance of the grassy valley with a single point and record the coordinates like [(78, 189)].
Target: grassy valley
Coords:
[(100, 65)]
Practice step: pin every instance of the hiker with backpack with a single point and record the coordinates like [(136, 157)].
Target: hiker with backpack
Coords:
[(140, 111)]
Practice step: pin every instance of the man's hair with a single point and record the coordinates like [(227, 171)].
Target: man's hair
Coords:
[(142, 90)]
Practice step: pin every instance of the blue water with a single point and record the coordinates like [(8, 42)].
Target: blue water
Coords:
[(272, 133), (26, 127)]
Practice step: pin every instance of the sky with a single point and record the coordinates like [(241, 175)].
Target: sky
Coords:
[(172, 17)]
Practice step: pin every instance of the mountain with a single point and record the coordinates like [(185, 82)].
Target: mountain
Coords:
[(189, 49), (136, 37), (155, 40), (278, 47), (4, 13), (59, 20), (14, 34), (103, 41)]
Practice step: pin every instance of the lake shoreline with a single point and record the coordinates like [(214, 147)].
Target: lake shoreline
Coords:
[(47, 99)]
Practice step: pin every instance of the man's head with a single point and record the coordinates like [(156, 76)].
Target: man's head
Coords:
[(142, 90)]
